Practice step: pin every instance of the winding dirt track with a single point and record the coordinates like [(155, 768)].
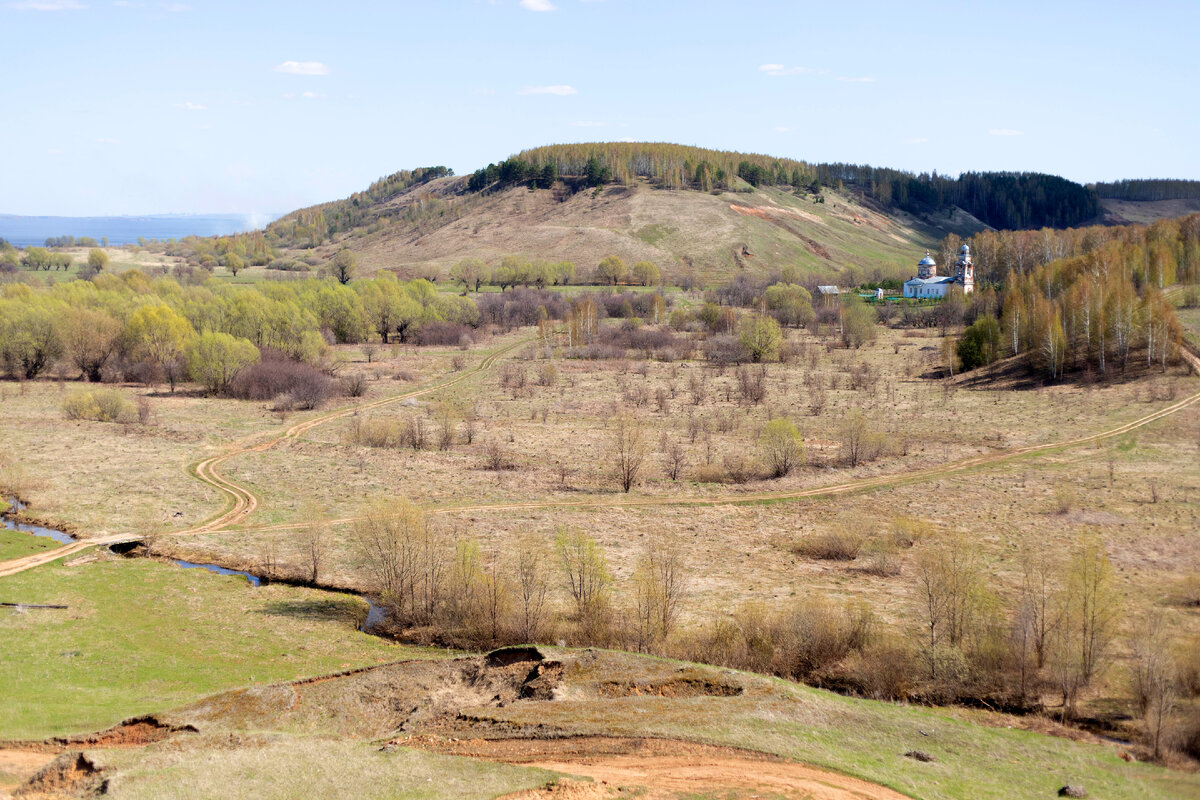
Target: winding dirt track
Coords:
[(664, 769), (244, 501)]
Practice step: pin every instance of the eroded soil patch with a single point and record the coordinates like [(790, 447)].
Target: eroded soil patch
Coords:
[(657, 769)]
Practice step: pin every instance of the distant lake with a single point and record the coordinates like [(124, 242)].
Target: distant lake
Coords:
[(26, 231)]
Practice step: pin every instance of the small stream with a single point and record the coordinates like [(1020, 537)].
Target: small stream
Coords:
[(10, 523), (375, 613)]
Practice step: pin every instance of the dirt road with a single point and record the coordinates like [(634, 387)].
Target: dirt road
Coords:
[(244, 501), (660, 769)]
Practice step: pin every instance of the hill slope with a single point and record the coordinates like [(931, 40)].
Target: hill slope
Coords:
[(426, 228)]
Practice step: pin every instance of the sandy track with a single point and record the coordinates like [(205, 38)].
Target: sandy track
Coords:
[(875, 482), (244, 501), (667, 769)]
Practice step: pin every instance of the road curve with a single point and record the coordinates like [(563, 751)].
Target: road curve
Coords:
[(242, 501), (818, 491)]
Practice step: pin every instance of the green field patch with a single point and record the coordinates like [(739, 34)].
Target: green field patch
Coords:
[(142, 636)]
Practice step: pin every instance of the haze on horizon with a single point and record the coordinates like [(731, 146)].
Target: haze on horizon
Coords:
[(135, 107)]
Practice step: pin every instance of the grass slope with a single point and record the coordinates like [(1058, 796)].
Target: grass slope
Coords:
[(143, 636), (863, 738), (681, 230), (279, 767)]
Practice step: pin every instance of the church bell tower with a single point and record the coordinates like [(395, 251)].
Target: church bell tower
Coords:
[(964, 270)]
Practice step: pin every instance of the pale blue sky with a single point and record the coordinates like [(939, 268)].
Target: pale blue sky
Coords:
[(145, 106)]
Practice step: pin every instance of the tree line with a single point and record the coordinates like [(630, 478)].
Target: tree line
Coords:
[(1148, 189), (1079, 298)]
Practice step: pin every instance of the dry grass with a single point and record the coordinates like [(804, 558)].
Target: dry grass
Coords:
[(682, 231)]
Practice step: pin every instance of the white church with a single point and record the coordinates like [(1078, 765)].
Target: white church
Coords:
[(928, 284)]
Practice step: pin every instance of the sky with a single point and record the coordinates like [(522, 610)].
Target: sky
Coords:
[(141, 106)]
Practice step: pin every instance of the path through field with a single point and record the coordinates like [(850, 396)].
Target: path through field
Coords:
[(244, 501)]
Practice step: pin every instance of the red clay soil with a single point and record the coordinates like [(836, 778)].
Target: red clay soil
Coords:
[(659, 769)]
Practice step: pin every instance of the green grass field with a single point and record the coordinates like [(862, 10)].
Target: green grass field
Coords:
[(14, 544), (142, 636)]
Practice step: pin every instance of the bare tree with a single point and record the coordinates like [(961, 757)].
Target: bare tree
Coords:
[(406, 558), (588, 580), (660, 584), (628, 450), (532, 589), (950, 586), (1155, 680), (312, 542), (495, 597), (674, 457), (1088, 612)]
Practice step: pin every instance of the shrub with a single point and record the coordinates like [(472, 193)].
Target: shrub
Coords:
[(101, 405), (782, 446), (377, 432), (521, 307), (354, 385), (725, 350), (442, 334), (842, 543), (276, 376)]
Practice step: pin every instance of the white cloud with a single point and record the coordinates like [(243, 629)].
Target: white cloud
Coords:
[(779, 70), (916, 140), (558, 89), (844, 79), (311, 95), (538, 5), (783, 129), (190, 106), (302, 68), (1005, 132), (627, 139), (47, 5), (588, 124)]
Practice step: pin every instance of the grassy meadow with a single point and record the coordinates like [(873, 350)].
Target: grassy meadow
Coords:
[(141, 636)]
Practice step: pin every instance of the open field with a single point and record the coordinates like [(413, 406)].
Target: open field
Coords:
[(741, 543), (141, 636)]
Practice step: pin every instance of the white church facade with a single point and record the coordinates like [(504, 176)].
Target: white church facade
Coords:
[(928, 284)]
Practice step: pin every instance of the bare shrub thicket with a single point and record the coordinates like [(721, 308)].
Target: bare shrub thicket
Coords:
[(842, 542), (860, 443), (797, 642), (292, 384)]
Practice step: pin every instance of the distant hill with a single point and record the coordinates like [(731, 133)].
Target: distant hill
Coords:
[(1147, 200), (708, 212), (426, 228)]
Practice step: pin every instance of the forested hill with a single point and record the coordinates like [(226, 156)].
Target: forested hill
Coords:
[(688, 209), (1006, 200)]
